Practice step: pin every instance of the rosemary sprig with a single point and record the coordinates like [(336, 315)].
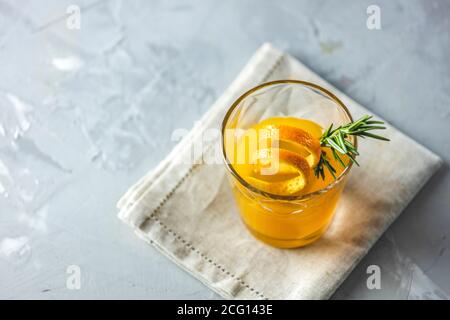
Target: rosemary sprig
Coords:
[(336, 140)]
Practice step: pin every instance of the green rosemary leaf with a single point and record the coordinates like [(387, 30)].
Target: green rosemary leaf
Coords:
[(365, 128), (330, 169), (334, 145), (337, 140), (340, 139), (353, 159), (351, 147), (371, 135), (327, 132), (338, 158), (374, 122)]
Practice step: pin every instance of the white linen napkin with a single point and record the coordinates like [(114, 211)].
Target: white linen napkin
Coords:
[(186, 209)]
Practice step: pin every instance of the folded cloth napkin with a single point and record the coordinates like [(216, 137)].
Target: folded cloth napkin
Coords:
[(186, 210)]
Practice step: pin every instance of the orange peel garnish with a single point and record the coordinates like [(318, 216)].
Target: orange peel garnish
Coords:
[(293, 139), (289, 176)]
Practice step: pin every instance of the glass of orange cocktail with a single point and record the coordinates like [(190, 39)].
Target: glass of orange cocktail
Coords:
[(270, 141)]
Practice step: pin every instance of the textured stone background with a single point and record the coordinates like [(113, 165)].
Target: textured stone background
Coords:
[(84, 113)]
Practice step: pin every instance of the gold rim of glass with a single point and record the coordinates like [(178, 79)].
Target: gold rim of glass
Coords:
[(271, 195)]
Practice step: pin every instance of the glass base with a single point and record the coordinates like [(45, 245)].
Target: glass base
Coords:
[(288, 243)]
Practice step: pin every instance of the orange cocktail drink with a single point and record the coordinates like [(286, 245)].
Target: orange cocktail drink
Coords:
[(271, 144)]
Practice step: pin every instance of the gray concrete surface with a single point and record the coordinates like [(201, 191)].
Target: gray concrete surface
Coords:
[(84, 113)]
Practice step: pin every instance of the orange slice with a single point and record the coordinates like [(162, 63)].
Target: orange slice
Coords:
[(293, 139), (280, 172)]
